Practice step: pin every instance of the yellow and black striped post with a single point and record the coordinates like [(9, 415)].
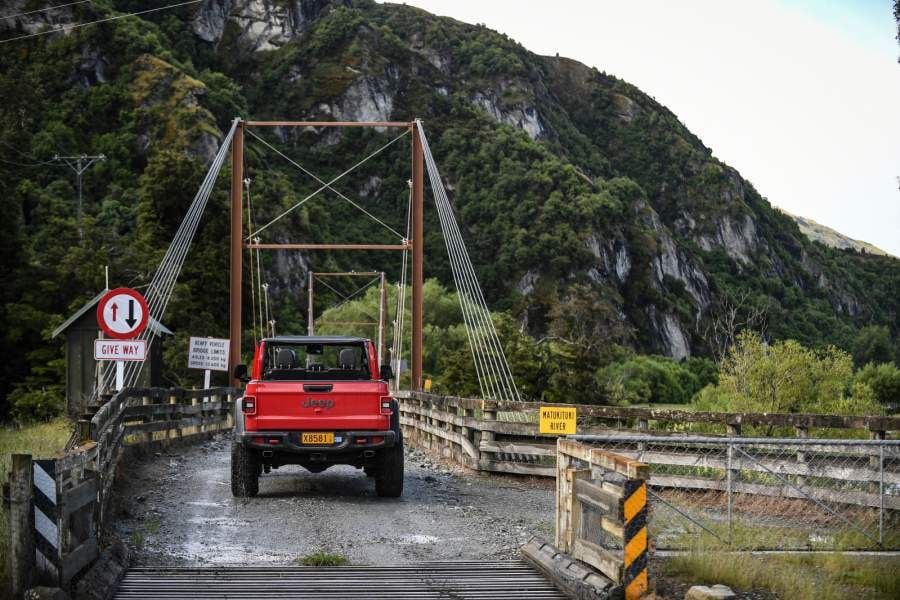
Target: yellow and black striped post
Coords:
[(634, 508)]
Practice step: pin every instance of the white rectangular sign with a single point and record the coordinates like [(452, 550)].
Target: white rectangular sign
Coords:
[(120, 350), (208, 353)]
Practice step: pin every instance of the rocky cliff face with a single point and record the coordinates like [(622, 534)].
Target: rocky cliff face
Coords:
[(256, 25)]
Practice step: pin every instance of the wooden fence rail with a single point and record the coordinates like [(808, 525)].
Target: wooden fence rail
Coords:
[(471, 432), (59, 505)]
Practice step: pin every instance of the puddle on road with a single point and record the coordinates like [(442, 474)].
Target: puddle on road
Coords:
[(210, 504), (223, 554), (223, 521), (418, 538)]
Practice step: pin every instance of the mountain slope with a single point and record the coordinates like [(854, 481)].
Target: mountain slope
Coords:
[(591, 213), (831, 237)]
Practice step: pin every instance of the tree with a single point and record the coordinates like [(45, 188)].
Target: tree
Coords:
[(786, 377), (884, 380), (648, 379), (727, 318), (873, 344)]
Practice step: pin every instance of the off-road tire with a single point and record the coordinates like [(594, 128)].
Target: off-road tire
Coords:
[(389, 474), (244, 471)]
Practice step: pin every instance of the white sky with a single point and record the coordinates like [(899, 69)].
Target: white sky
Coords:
[(801, 96)]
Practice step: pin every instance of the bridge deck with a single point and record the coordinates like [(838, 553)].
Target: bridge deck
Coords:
[(458, 580)]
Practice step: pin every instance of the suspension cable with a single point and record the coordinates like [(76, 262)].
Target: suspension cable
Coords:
[(252, 274), (484, 342), (163, 282)]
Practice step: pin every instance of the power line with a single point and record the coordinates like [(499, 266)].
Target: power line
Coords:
[(31, 12), (113, 18), (37, 164), (34, 162)]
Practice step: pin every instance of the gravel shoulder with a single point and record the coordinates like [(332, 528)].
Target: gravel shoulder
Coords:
[(175, 508)]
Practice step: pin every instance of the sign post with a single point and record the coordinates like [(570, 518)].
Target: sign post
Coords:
[(209, 354), (122, 314)]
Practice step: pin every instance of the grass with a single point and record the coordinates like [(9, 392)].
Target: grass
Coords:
[(41, 440), (322, 559), (813, 577)]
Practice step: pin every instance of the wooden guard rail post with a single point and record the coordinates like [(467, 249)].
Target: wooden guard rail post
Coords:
[(601, 513), (20, 565)]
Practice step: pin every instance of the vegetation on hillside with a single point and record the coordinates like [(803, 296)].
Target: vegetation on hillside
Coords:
[(754, 376)]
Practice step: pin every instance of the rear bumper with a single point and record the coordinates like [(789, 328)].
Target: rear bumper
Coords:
[(289, 442)]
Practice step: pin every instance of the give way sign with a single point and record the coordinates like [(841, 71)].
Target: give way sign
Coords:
[(122, 313)]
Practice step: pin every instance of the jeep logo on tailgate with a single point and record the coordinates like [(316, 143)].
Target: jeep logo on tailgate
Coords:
[(312, 403)]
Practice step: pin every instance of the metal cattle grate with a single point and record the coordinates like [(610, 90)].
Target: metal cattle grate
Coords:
[(456, 580)]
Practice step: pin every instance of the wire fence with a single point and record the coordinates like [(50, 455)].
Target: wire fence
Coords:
[(768, 494)]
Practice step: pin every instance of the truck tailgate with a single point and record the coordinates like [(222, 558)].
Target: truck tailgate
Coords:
[(319, 406)]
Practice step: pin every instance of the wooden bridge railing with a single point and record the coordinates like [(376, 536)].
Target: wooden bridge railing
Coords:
[(505, 436), (69, 495)]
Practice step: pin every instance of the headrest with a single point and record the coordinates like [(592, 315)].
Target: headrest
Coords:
[(285, 358), (347, 358)]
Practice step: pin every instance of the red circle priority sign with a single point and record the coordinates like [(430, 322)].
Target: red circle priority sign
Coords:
[(122, 313)]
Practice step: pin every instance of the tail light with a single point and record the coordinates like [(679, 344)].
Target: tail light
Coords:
[(386, 402), (248, 405)]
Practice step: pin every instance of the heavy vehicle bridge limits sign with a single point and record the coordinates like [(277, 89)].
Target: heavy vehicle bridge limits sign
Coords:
[(210, 354), (122, 313)]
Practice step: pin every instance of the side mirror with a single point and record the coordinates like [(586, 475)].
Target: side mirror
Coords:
[(240, 373), (386, 373)]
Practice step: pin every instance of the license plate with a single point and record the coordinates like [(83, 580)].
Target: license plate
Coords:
[(318, 438)]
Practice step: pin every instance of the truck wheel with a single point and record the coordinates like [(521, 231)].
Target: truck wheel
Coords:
[(244, 472), (389, 477)]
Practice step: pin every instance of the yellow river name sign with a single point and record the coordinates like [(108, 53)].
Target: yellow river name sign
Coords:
[(558, 420)]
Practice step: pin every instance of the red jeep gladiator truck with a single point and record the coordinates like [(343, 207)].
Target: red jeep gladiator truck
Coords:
[(316, 402)]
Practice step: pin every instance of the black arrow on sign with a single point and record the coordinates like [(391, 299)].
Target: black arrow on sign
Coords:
[(131, 320)]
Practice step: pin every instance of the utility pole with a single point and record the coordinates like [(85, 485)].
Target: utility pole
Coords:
[(79, 164)]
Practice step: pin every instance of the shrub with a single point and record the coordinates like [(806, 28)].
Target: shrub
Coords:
[(648, 379), (33, 405), (883, 379), (787, 377)]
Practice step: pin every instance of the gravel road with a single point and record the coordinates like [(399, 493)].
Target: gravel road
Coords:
[(176, 508)]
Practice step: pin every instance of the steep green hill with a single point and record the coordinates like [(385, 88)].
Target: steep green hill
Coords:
[(591, 213)]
